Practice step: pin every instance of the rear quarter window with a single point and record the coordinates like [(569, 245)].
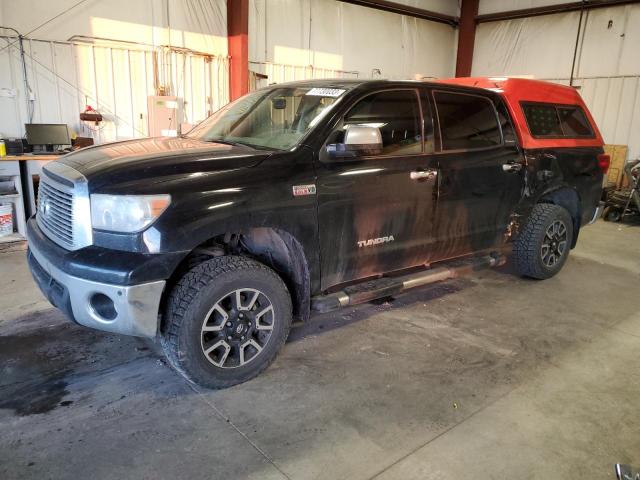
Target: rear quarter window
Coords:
[(556, 121), (574, 123)]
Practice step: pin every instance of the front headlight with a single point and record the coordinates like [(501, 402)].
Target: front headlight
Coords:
[(126, 213)]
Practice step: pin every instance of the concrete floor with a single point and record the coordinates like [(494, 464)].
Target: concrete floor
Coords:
[(487, 377)]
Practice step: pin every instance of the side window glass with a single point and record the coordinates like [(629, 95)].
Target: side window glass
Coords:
[(549, 120), (574, 122), (397, 114), (542, 120), (466, 121)]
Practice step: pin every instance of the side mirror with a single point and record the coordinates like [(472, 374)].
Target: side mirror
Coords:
[(359, 140)]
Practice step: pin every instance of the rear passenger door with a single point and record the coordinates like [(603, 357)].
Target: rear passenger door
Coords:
[(480, 174)]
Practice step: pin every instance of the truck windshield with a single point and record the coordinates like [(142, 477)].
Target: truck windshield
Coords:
[(276, 118)]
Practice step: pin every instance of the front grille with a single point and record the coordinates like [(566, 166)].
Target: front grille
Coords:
[(64, 211), (55, 212)]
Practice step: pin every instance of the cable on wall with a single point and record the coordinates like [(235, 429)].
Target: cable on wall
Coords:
[(29, 93), (575, 49)]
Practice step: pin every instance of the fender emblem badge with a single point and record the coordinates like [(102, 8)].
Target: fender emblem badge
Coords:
[(301, 190), (375, 241)]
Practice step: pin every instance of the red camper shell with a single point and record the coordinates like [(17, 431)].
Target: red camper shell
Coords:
[(546, 115)]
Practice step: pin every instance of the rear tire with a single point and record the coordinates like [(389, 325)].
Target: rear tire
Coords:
[(226, 320), (542, 247)]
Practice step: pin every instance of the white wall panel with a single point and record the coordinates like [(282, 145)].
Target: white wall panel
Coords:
[(611, 48), (373, 39), (339, 36), (630, 55), (197, 24), (327, 40), (542, 46)]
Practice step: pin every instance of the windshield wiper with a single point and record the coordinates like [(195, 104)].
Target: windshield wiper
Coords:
[(224, 142), (244, 144)]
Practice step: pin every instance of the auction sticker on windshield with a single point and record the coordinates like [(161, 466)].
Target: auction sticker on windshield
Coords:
[(325, 92)]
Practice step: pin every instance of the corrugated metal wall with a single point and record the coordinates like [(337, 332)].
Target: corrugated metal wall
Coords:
[(115, 80)]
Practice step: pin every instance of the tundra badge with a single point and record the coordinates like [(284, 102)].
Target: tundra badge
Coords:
[(375, 241)]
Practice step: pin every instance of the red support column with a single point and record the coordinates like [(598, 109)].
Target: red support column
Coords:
[(466, 37), (238, 39)]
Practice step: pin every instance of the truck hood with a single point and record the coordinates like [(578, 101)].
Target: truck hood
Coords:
[(153, 159)]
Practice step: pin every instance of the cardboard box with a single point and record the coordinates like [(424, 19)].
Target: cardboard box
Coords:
[(615, 175)]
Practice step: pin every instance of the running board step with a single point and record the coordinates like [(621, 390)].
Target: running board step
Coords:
[(387, 286)]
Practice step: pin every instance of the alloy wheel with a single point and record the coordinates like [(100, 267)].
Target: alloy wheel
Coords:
[(237, 328), (554, 243)]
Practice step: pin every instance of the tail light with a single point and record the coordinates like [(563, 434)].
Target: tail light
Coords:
[(603, 162)]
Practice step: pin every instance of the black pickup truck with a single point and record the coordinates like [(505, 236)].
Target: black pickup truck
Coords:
[(311, 196)]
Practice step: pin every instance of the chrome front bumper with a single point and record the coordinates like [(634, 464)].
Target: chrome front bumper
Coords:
[(133, 311)]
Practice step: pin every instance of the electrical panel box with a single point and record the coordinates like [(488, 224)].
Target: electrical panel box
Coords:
[(165, 116)]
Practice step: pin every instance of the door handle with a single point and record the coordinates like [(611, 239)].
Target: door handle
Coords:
[(429, 174), (511, 167)]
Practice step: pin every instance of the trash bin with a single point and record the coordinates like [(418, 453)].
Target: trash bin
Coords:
[(6, 219)]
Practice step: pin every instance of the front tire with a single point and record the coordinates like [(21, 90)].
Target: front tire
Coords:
[(542, 247), (227, 318)]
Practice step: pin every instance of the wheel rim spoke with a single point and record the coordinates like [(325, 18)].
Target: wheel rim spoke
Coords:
[(561, 246), (238, 299), (259, 316), (243, 347), (253, 300), (212, 328), (219, 344), (220, 326), (249, 293)]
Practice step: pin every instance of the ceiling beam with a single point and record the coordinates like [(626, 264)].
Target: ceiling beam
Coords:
[(551, 9), (407, 10)]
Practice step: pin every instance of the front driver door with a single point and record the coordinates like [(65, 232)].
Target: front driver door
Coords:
[(375, 212)]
